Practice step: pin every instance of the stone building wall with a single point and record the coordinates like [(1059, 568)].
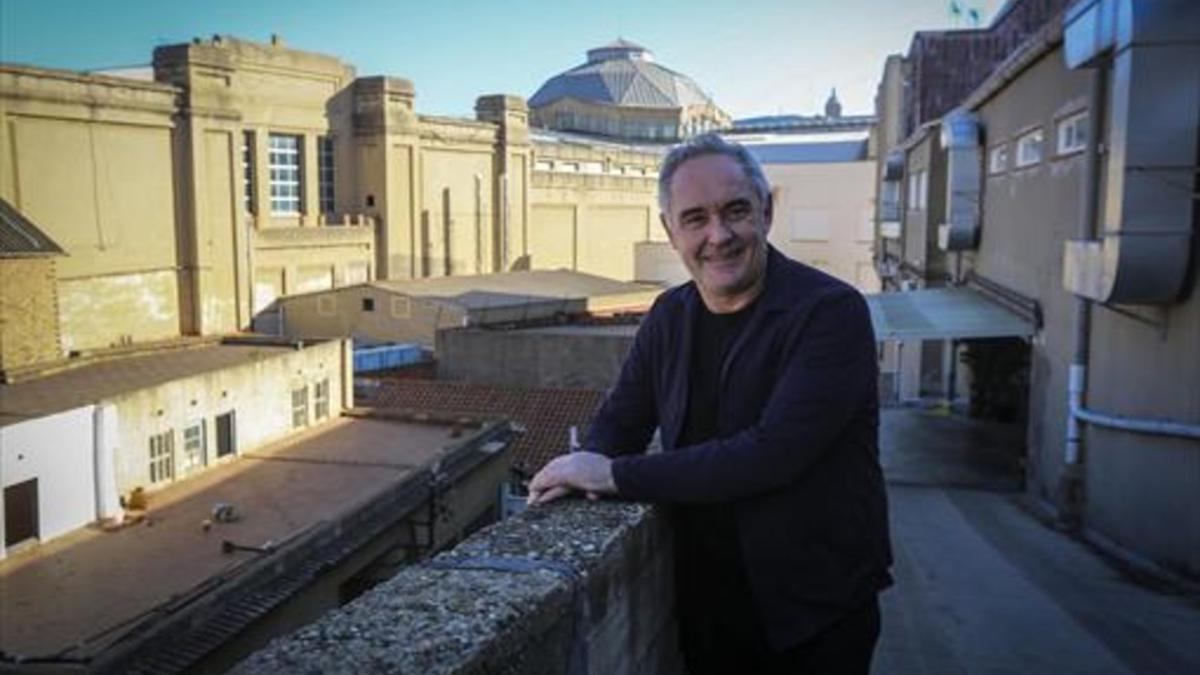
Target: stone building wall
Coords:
[(28, 312)]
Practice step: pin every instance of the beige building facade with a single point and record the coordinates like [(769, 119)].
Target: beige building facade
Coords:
[(247, 171)]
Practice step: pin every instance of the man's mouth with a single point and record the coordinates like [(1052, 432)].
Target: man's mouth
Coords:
[(724, 255)]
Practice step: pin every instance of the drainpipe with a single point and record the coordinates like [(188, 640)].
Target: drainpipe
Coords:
[(1071, 484)]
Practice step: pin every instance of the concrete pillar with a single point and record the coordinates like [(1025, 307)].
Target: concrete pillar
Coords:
[(386, 139), (511, 166), (105, 428)]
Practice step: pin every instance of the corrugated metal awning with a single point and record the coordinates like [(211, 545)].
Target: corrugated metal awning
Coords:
[(943, 314)]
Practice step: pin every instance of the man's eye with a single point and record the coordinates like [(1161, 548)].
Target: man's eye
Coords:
[(737, 211), (693, 222)]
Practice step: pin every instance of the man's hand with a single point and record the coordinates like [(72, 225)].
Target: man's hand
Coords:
[(589, 472)]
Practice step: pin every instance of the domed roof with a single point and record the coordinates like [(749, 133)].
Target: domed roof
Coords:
[(622, 74)]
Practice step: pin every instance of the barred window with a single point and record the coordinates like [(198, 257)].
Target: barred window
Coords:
[(284, 151), (325, 172), (248, 171)]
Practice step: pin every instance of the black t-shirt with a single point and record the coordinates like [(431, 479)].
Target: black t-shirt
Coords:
[(714, 594)]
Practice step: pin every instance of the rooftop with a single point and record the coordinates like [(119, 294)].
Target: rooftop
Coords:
[(809, 153), (622, 74), (516, 288), (19, 237), (98, 380), (547, 415), (103, 581)]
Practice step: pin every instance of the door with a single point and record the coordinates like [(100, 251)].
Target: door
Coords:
[(226, 435), (21, 512)]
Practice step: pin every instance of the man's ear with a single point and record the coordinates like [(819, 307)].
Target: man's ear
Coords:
[(662, 218)]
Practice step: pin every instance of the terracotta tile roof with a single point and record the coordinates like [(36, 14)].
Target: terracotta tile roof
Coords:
[(546, 414)]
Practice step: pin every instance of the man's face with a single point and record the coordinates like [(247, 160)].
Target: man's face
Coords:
[(718, 225)]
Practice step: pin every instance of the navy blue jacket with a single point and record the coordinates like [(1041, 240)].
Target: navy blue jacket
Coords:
[(796, 450)]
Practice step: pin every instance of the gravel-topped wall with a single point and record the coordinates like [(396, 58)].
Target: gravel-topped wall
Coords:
[(572, 587)]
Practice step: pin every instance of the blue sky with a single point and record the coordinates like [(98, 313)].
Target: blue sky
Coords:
[(755, 57)]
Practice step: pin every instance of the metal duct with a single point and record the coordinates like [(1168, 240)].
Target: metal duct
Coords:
[(1152, 48), (960, 138)]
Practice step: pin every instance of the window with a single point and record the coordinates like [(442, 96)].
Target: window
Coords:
[(248, 171), (284, 156), (916, 191), (300, 407), (1029, 148), (193, 448), (402, 307), (162, 456), (325, 172), (998, 159), (1072, 134), (368, 304), (321, 400)]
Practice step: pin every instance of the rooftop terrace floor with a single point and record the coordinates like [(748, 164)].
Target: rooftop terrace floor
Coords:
[(84, 587), (982, 586)]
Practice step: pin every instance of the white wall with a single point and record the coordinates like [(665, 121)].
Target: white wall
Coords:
[(57, 451), (259, 393)]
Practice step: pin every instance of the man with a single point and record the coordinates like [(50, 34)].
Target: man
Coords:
[(761, 375)]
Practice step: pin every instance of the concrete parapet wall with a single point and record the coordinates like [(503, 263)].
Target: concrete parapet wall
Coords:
[(550, 358), (575, 587)]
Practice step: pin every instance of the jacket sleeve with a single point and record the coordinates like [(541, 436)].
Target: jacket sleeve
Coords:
[(628, 417), (828, 378)]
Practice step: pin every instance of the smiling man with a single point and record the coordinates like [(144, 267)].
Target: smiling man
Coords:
[(761, 375)]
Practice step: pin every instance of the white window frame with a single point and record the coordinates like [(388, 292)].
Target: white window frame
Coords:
[(285, 159), (321, 400), (162, 457), (401, 307), (195, 455), (300, 407), (1071, 134), (998, 159), (1030, 148), (917, 187)]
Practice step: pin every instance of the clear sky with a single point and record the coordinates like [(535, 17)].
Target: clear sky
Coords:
[(755, 57)]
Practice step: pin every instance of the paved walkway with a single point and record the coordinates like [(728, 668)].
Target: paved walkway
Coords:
[(984, 587)]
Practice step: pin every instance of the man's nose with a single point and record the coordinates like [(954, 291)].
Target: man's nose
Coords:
[(720, 230)]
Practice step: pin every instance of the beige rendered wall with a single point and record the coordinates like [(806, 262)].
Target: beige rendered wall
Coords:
[(259, 393), (233, 87), (590, 206), (395, 317), (824, 217), (88, 159), (457, 240)]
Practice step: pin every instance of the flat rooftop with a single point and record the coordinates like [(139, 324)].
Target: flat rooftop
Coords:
[(626, 330), (560, 283), (101, 581), (89, 383)]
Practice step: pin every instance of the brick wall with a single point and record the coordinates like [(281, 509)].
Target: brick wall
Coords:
[(28, 312)]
